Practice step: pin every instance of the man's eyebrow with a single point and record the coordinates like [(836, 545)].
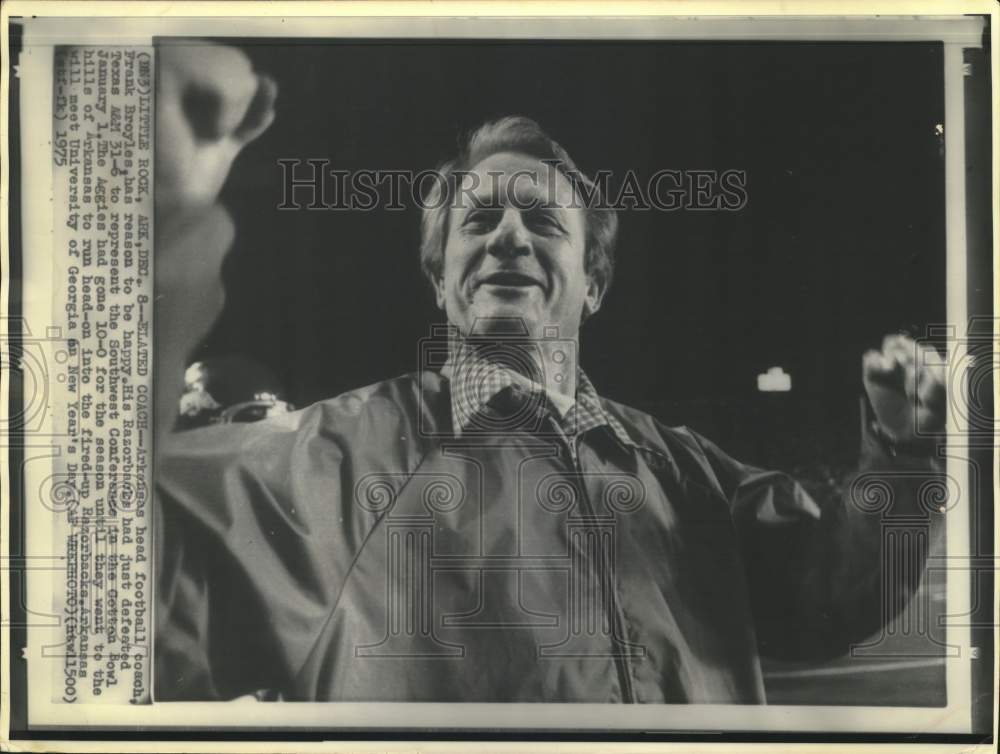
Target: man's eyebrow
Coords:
[(550, 205), (482, 202)]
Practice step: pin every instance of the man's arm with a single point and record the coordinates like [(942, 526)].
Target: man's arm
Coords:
[(822, 577), (252, 546), (210, 104)]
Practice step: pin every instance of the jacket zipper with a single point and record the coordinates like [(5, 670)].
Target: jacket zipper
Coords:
[(618, 623)]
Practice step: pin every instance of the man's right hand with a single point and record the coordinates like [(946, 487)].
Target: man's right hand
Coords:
[(209, 105)]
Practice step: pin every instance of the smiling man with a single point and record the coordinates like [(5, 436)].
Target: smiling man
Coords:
[(516, 261), (495, 530)]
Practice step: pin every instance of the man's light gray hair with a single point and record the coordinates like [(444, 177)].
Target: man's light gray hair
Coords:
[(522, 135)]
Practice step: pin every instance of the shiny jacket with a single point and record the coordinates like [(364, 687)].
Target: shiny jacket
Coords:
[(358, 550)]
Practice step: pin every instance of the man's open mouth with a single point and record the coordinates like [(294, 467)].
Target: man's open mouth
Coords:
[(509, 279)]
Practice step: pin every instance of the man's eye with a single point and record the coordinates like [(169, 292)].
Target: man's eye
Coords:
[(481, 219), (545, 221)]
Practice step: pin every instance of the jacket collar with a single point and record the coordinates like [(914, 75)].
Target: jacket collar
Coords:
[(476, 382)]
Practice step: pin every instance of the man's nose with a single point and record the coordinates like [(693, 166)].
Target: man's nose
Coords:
[(510, 238)]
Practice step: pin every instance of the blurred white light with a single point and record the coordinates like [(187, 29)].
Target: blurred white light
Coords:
[(774, 380)]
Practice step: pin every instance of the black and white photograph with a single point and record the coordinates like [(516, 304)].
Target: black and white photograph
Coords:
[(567, 375)]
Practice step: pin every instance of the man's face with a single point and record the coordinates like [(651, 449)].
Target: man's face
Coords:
[(513, 252)]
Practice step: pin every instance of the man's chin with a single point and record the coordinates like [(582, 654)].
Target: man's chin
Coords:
[(502, 320)]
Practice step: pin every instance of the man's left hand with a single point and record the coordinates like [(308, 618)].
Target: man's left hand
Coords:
[(905, 382)]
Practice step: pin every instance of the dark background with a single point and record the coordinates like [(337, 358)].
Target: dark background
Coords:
[(841, 242)]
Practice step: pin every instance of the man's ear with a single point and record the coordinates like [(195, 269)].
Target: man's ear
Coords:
[(594, 296)]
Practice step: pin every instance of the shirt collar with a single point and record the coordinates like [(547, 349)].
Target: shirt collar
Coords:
[(476, 381)]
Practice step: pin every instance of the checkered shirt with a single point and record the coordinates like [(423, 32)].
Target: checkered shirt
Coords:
[(476, 384)]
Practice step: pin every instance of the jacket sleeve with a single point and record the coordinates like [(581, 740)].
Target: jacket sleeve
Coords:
[(822, 578), (250, 547)]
